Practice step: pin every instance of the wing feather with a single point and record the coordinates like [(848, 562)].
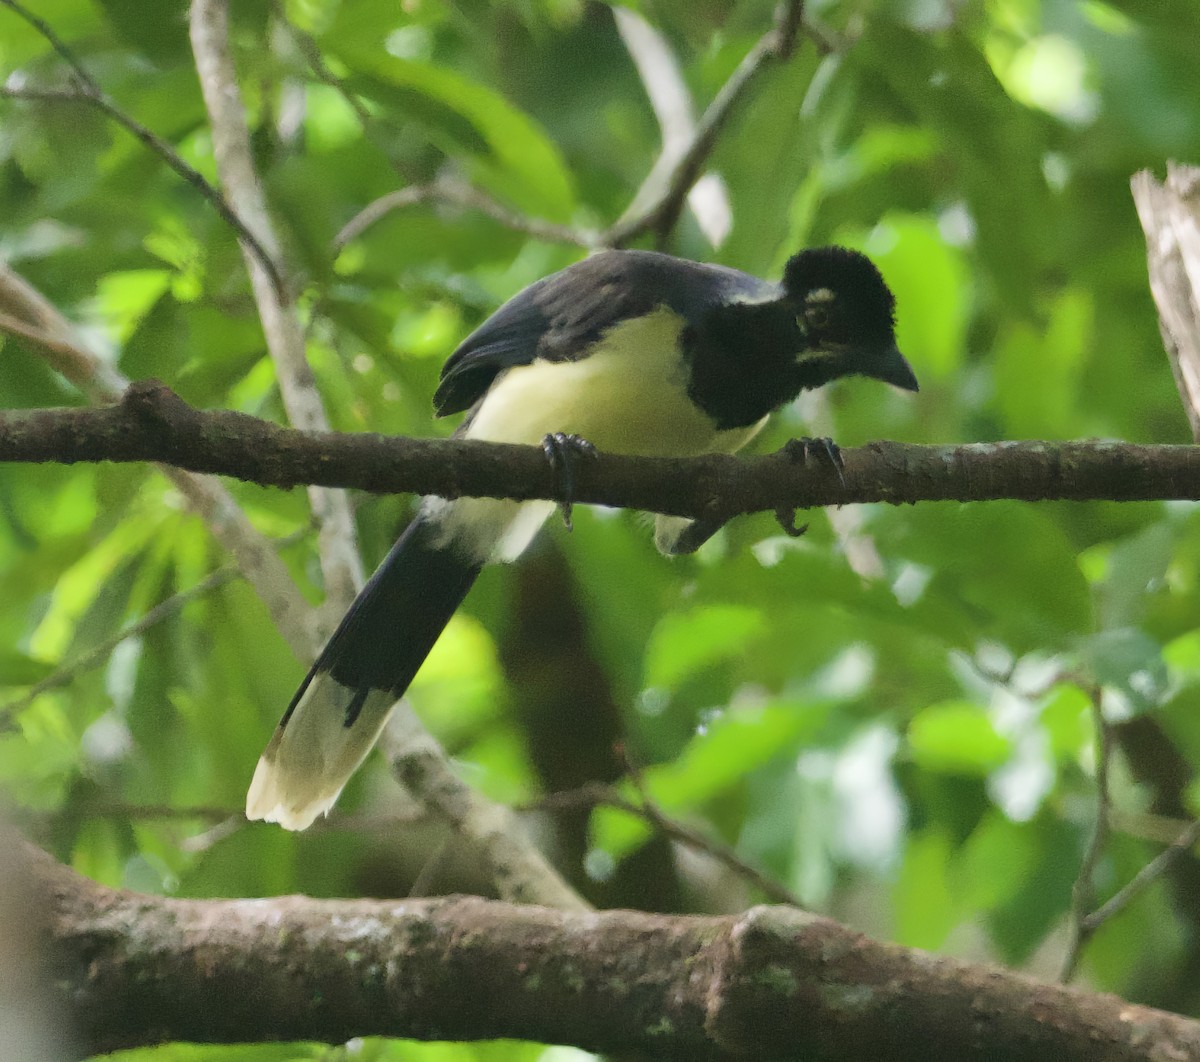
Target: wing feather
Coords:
[(560, 317)]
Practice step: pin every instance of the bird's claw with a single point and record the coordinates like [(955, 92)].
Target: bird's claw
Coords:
[(787, 521), (824, 449), (561, 450)]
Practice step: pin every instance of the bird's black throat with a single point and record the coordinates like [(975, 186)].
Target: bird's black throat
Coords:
[(742, 362)]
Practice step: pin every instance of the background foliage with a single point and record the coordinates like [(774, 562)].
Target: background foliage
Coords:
[(891, 715)]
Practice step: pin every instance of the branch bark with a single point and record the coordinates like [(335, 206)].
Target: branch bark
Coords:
[(152, 423), (773, 983)]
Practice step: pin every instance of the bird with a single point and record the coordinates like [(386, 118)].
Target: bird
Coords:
[(628, 351)]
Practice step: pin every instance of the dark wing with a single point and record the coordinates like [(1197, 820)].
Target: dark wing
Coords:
[(561, 317)]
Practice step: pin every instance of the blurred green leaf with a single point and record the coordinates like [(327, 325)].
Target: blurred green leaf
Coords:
[(723, 752), (925, 903), (1129, 660), (932, 289), (956, 737), (20, 669), (684, 643), (1038, 371), (505, 150)]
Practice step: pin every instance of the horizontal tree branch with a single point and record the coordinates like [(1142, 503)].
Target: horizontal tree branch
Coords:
[(776, 983), (152, 423)]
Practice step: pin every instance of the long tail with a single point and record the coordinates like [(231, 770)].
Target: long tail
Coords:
[(340, 708)]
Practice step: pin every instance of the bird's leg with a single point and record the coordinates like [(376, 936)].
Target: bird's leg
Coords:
[(561, 451), (699, 531), (823, 449)]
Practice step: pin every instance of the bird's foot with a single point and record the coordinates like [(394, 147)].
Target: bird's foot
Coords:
[(562, 450), (822, 449)]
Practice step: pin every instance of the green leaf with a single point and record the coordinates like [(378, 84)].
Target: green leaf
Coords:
[(1067, 721), (684, 643), (1135, 566), (1129, 660), (932, 289), (725, 750), (956, 737), (1182, 656), (926, 905), (991, 866), (21, 669), (1038, 371), (504, 150)]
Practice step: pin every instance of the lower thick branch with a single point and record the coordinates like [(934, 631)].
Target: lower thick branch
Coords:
[(774, 983)]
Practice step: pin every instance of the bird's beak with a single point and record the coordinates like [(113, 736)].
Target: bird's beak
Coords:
[(892, 367)]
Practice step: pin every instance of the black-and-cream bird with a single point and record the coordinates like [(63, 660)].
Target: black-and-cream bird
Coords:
[(634, 352)]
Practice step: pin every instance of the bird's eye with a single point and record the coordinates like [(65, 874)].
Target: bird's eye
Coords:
[(816, 316)]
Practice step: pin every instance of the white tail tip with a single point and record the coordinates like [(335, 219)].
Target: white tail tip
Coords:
[(312, 754)]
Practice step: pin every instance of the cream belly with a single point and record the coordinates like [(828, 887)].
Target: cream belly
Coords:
[(629, 397)]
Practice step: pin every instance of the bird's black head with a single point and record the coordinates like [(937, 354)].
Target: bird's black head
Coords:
[(846, 315)]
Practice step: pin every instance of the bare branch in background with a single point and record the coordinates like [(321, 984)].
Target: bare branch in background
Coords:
[(661, 215), (55, 339), (518, 870), (337, 536), (88, 91), (1183, 844), (668, 95), (1170, 217)]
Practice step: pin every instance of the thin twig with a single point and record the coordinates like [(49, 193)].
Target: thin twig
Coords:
[(459, 193), (595, 794), (1144, 878), (1145, 826), (424, 880), (96, 656), (1083, 893), (88, 91)]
